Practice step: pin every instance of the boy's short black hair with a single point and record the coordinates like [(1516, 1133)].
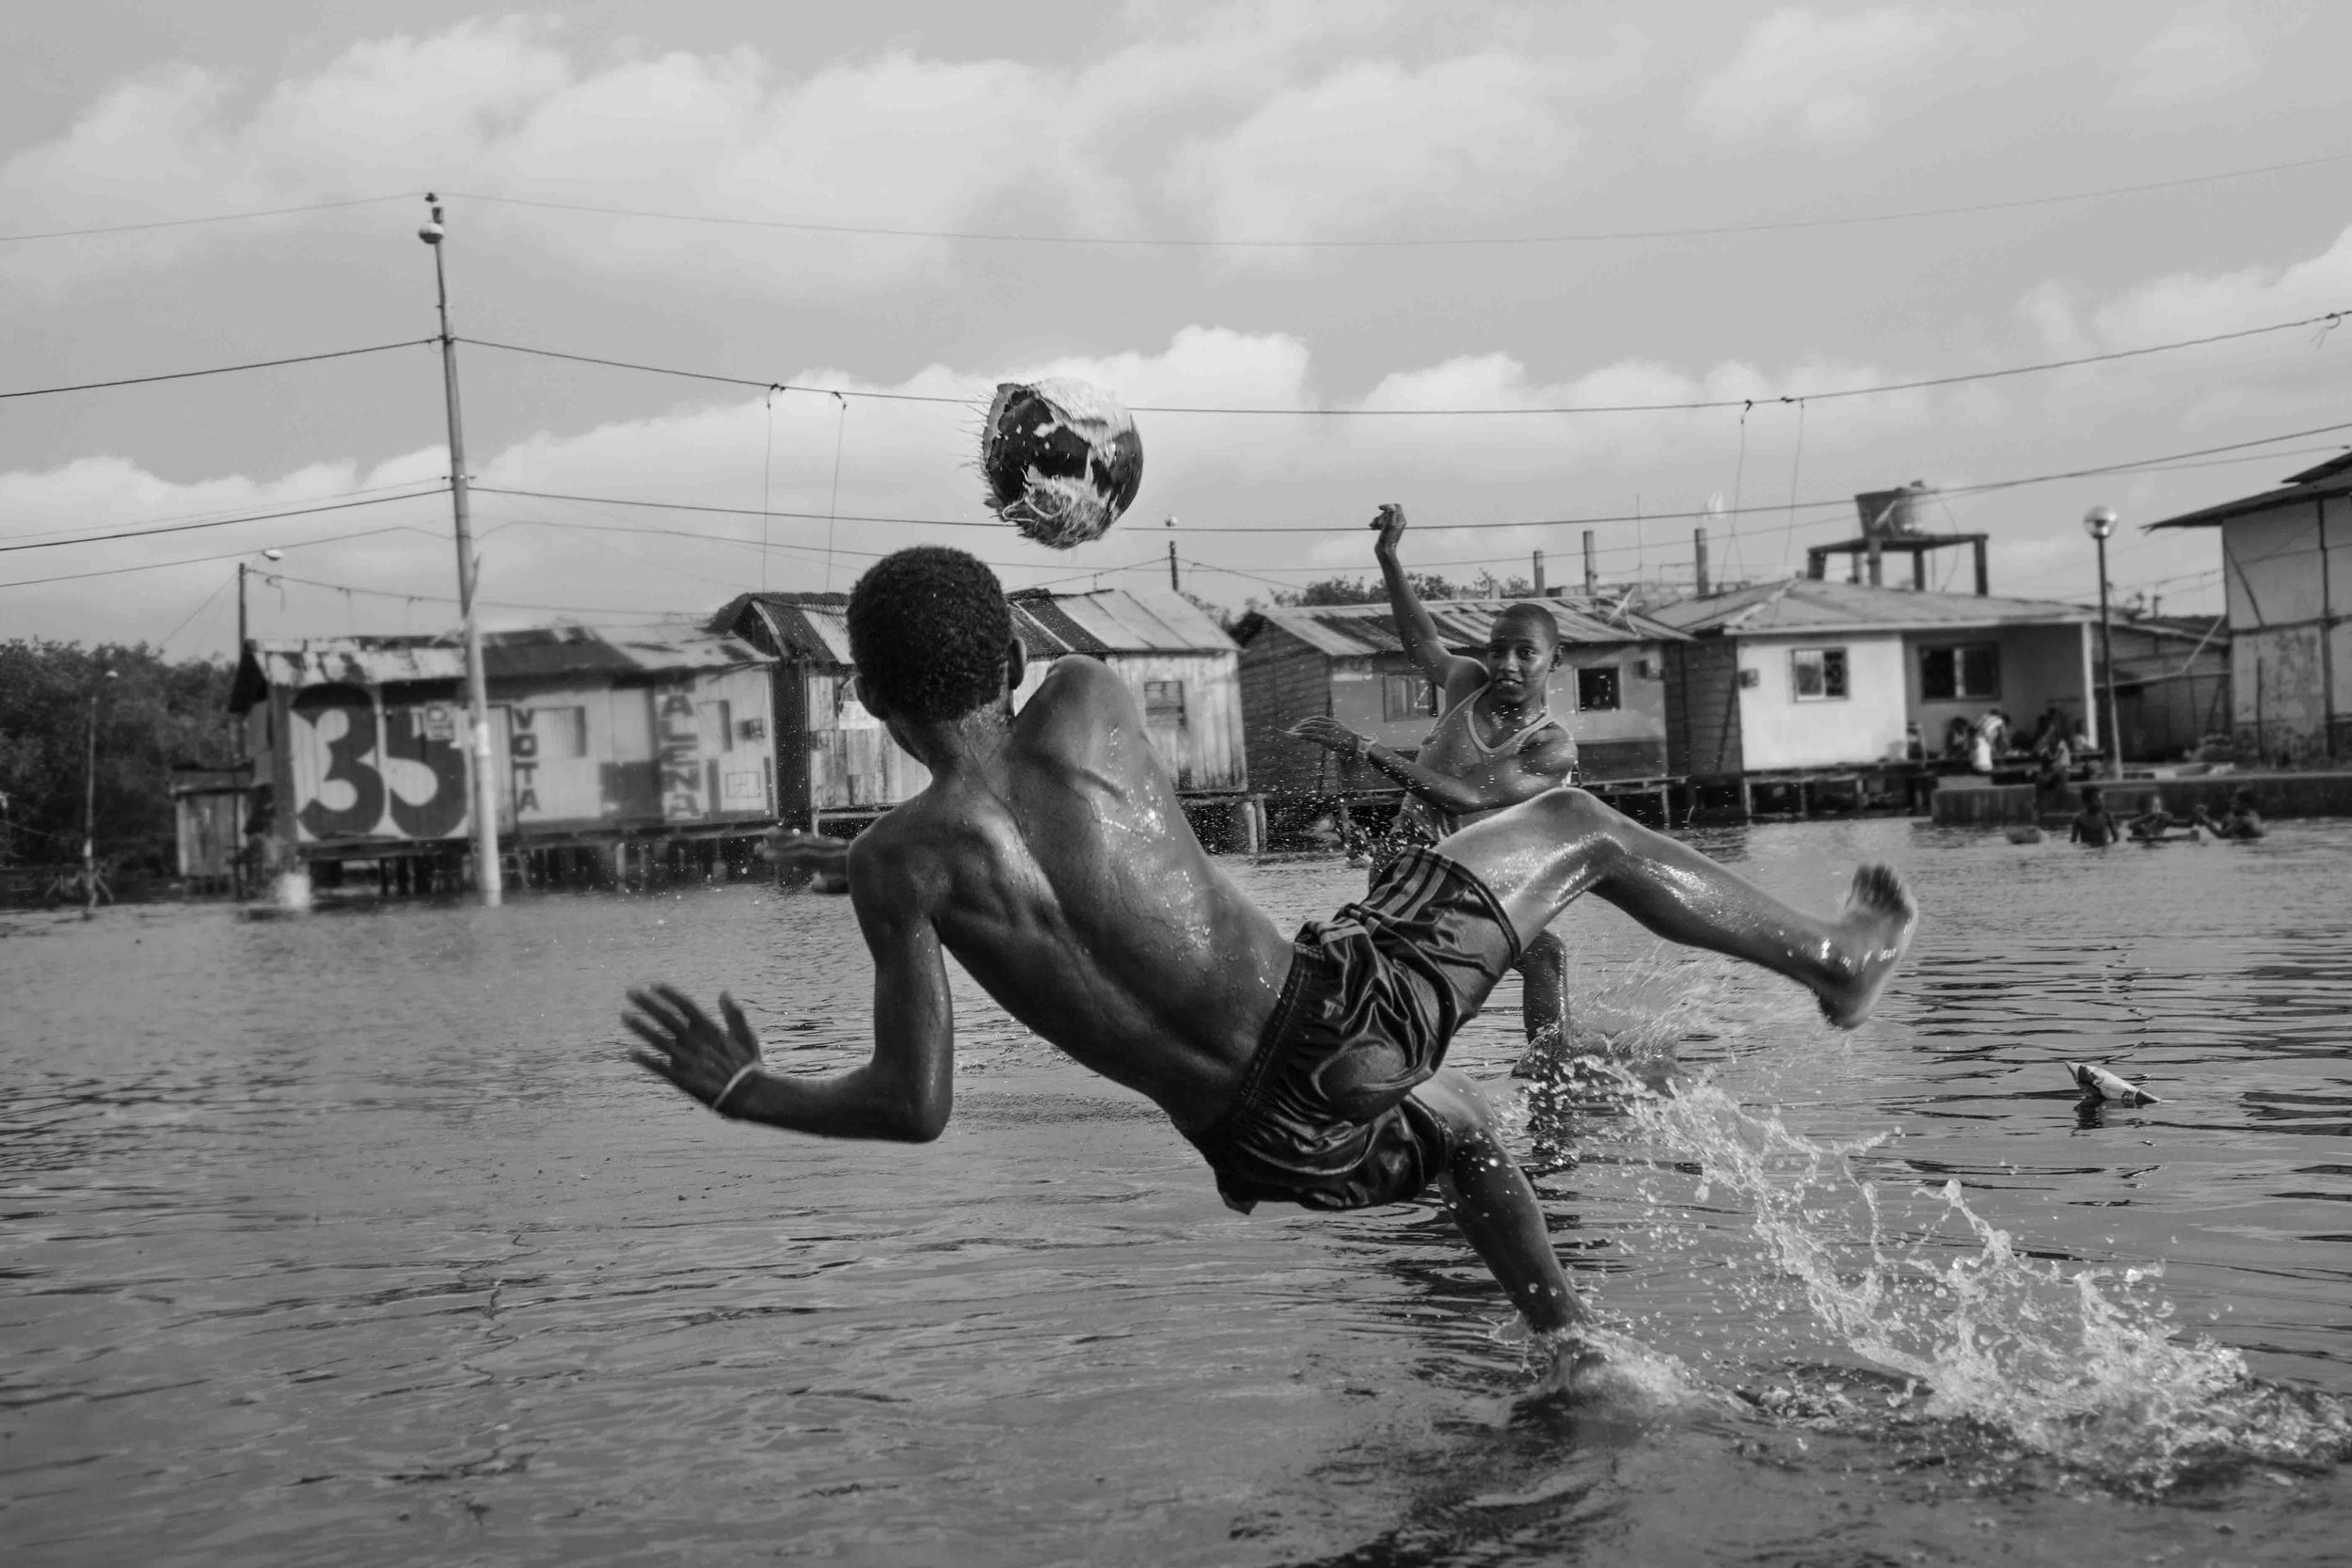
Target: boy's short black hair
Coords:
[(928, 631), (1532, 614), (2093, 794)]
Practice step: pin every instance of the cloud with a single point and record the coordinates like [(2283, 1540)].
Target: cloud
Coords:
[(1237, 119), (1348, 152), (2192, 304), (1820, 79), (2202, 52)]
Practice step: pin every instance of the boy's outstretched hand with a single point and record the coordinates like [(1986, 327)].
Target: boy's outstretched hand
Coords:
[(1390, 522), (689, 1049), (1329, 734)]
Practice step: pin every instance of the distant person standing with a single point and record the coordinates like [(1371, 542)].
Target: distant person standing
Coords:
[(1495, 744), (2093, 825), (1981, 750)]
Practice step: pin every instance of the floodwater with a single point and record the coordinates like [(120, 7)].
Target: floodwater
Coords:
[(355, 1239)]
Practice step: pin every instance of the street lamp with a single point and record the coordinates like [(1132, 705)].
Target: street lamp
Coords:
[(2099, 522)]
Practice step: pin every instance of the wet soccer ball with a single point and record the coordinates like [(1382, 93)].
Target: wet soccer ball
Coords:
[(1062, 459)]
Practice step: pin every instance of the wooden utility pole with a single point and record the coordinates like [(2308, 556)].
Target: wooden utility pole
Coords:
[(487, 879)]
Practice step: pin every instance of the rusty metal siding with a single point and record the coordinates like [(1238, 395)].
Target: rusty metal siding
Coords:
[(1283, 679)]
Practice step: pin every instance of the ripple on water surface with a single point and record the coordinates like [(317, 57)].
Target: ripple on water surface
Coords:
[(356, 1237)]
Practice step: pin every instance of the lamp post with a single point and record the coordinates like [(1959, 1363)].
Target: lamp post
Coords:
[(2099, 522), (487, 879), (89, 804)]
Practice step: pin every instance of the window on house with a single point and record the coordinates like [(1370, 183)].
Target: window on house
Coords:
[(1596, 688), (1164, 705), (1406, 697), (1952, 674), (720, 722), (562, 732), (1817, 675)]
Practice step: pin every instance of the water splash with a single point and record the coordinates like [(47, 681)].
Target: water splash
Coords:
[(290, 890), (2074, 1365)]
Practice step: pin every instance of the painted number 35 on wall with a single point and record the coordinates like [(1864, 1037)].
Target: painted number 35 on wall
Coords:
[(365, 771)]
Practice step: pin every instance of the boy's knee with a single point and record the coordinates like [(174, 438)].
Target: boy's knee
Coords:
[(1460, 1106), (1575, 811)]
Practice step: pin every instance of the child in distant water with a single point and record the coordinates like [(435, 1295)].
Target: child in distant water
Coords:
[(2093, 824), (2155, 824), (2242, 821)]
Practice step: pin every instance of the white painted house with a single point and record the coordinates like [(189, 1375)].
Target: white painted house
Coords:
[(1802, 676)]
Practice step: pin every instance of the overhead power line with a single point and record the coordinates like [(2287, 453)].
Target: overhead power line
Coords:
[(1838, 502), (221, 522), (2327, 319), (210, 217), (1443, 242), (211, 513), (223, 555), (216, 370), (639, 611), (729, 510)]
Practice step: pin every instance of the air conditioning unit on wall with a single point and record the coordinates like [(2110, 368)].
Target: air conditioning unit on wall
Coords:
[(1750, 675)]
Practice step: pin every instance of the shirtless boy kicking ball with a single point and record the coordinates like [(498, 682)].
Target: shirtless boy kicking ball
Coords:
[(1050, 855)]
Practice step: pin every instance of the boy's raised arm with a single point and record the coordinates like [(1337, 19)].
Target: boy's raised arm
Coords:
[(1422, 644), (903, 1094)]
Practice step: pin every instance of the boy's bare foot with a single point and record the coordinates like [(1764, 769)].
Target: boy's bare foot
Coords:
[(1546, 1056), (1874, 933)]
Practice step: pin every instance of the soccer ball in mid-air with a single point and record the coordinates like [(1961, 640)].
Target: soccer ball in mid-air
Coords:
[(1062, 459)]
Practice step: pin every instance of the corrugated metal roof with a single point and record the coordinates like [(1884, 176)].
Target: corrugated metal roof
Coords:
[(538, 653), (1355, 630), (814, 626), (1120, 620), (2332, 478), (1807, 605)]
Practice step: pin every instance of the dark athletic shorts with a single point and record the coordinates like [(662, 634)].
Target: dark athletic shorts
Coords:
[(1372, 999)]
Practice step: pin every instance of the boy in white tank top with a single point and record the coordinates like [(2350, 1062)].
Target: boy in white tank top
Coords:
[(1494, 745)]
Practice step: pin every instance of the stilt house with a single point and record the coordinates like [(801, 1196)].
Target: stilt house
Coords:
[(1785, 679)]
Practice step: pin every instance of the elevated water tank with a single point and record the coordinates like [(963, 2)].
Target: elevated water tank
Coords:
[(1893, 512)]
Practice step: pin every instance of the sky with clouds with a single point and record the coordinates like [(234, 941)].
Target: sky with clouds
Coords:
[(1375, 213)]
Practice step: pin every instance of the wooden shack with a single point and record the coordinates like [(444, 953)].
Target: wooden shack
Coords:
[(208, 808), (2286, 559), (599, 736), (835, 760), (1347, 662)]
